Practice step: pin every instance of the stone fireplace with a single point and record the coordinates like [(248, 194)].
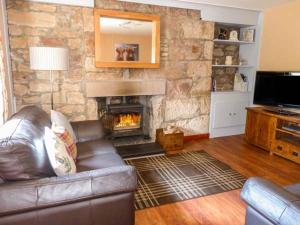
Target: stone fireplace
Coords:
[(125, 119), (126, 106)]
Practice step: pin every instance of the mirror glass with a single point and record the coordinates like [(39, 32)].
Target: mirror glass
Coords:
[(126, 40)]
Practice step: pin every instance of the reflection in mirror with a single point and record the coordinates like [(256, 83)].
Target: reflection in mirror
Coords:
[(125, 40)]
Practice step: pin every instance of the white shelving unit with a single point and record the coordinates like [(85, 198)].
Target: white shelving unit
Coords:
[(228, 114), (220, 41)]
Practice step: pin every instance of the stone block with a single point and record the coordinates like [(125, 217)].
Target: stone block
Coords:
[(88, 19), (15, 30), (18, 42), (199, 69), (208, 30), (74, 43), (75, 98), (156, 106), (33, 41), (41, 86), (42, 7), (218, 52), (90, 64), (46, 98), (92, 109), (192, 29), (59, 97), (71, 109), (179, 88), (193, 126), (32, 19), (208, 50), (20, 89), (36, 31), (89, 39), (186, 108), (201, 86), (78, 118), (188, 49), (70, 86), (54, 42), (33, 99)]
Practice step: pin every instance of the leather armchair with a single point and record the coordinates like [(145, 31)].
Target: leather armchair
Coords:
[(269, 203)]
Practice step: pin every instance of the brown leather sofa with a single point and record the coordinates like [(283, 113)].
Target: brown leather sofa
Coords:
[(100, 193)]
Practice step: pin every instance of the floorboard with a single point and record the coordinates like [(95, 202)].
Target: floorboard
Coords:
[(224, 208)]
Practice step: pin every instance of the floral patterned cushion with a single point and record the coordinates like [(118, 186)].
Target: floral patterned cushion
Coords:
[(65, 136), (61, 162)]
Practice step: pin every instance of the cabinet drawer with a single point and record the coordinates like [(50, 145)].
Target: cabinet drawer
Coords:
[(294, 154), (280, 148), (229, 113)]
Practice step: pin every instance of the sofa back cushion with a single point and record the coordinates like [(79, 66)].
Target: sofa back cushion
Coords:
[(23, 154)]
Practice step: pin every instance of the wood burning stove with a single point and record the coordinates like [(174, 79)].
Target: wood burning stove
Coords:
[(126, 119)]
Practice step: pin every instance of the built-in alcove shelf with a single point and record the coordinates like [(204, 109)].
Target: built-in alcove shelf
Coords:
[(232, 66), (229, 42), (230, 92)]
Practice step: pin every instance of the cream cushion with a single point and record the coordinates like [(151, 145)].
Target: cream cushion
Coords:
[(60, 120), (60, 160)]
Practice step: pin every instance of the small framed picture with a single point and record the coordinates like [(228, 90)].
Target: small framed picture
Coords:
[(247, 35), (127, 52)]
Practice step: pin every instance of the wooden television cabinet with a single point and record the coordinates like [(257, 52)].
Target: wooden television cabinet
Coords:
[(274, 132)]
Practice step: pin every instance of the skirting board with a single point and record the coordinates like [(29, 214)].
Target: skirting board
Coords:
[(195, 137), (227, 131)]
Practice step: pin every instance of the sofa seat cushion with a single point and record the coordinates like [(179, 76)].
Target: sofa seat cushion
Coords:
[(99, 162), (294, 189), (89, 149)]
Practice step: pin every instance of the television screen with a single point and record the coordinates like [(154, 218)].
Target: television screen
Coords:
[(277, 89)]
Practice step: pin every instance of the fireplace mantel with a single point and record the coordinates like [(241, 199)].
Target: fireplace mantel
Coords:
[(110, 88)]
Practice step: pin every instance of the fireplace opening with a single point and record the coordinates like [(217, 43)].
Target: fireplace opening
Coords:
[(125, 121)]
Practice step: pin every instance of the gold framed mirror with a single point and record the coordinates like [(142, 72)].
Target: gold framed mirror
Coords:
[(126, 39)]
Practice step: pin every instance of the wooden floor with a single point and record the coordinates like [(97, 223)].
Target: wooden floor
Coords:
[(225, 208)]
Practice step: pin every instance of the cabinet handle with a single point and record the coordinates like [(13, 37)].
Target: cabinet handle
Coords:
[(279, 147), (234, 114), (295, 154)]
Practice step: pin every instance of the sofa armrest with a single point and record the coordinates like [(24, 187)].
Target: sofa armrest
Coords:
[(50, 192), (267, 198), (88, 130)]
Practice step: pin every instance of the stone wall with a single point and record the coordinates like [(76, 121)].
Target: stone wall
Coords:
[(186, 59)]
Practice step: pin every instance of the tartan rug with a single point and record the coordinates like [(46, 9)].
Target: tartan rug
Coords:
[(172, 178)]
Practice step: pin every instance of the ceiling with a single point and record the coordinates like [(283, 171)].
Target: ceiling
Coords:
[(242, 4)]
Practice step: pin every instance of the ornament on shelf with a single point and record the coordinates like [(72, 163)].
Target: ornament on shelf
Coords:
[(247, 35), (223, 33), (233, 36), (228, 60), (240, 82)]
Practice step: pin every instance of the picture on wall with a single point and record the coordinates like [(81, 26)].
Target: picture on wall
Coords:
[(127, 52)]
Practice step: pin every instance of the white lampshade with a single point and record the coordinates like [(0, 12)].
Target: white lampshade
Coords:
[(49, 58)]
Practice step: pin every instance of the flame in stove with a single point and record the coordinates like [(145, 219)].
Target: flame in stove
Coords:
[(130, 120)]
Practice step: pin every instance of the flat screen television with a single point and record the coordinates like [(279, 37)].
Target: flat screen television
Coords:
[(281, 89)]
